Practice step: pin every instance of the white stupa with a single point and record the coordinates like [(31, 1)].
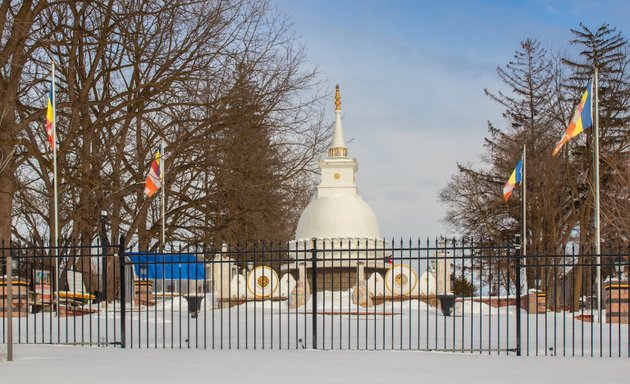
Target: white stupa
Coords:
[(338, 218), (338, 211)]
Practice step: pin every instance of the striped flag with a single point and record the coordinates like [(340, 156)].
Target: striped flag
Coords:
[(581, 120), (50, 116), (515, 178), (154, 178)]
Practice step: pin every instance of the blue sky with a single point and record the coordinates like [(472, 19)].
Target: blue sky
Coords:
[(412, 75)]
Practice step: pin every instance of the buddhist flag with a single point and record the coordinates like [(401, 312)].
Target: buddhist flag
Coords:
[(154, 178), (515, 178), (50, 116), (581, 120)]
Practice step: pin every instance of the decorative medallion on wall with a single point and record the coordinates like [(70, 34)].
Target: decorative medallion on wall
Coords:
[(401, 280), (262, 282)]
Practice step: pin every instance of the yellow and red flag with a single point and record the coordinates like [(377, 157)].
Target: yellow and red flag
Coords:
[(154, 178), (50, 117), (581, 120)]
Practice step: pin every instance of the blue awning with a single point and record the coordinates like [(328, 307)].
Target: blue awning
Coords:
[(158, 266)]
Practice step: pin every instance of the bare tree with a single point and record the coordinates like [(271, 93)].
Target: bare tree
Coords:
[(25, 31), (133, 72)]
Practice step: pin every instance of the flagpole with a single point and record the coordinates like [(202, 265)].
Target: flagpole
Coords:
[(597, 213), (162, 174), (55, 188), (524, 216)]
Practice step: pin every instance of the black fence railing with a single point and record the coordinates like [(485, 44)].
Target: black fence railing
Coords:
[(349, 294)]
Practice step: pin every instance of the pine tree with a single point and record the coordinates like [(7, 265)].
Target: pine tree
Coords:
[(249, 199), (474, 198), (604, 49)]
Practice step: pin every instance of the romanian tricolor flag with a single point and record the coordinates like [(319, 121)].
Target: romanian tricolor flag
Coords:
[(581, 120), (515, 178), (50, 116), (154, 178)]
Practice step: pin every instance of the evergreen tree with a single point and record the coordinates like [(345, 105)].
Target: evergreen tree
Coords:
[(541, 95), (606, 50), (249, 198), (474, 197)]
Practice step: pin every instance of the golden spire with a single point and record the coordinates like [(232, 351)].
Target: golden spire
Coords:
[(338, 145)]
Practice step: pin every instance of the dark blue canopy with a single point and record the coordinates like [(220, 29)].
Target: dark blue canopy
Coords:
[(160, 266)]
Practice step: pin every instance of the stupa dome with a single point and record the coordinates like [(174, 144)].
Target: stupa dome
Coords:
[(345, 216)]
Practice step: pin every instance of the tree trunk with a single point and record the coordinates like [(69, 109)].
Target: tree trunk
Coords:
[(7, 184), (7, 188)]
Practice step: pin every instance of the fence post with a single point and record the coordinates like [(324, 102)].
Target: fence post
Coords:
[(314, 290), (104, 250), (9, 300), (517, 255), (123, 303)]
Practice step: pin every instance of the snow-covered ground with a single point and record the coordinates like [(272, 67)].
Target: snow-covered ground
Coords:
[(409, 325), (80, 365), (164, 344)]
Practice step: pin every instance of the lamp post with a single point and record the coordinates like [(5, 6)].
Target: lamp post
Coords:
[(104, 247), (142, 285)]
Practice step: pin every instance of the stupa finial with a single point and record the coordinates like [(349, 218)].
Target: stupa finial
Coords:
[(338, 145)]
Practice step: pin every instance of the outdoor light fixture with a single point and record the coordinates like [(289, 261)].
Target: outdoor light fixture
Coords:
[(537, 281), (143, 271), (619, 265), (14, 265)]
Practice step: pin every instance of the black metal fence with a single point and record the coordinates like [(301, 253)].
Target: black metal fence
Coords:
[(442, 295)]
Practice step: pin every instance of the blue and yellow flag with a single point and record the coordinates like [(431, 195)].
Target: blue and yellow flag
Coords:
[(515, 178)]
